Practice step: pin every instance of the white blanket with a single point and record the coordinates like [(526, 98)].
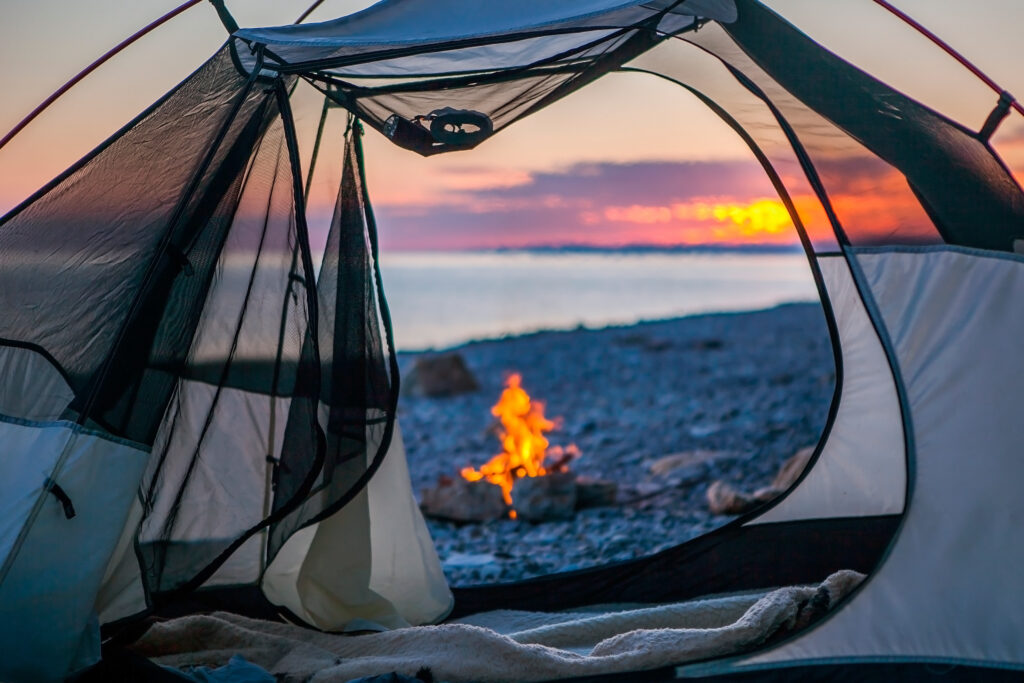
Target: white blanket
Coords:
[(503, 646)]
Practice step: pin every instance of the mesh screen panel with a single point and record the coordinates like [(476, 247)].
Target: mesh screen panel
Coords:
[(168, 279), (358, 385), (270, 416), (503, 97), (210, 479), (85, 272)]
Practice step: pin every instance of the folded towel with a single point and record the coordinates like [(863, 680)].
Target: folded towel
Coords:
[(503, 646)]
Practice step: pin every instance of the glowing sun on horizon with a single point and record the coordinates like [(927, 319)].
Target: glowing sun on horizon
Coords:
[(759, 218)]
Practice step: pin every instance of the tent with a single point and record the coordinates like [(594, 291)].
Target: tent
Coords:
[(191, 414)]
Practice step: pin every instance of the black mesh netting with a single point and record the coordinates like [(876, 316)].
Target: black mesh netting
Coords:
[(106, 268), (503, 97), (524, 84), (168, 278), (359, 373), (305, 411)]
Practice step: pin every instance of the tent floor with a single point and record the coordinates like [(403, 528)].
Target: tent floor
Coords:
[(123, 666), (832, 673)]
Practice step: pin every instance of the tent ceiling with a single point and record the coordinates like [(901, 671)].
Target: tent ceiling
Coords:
[(430, 37)]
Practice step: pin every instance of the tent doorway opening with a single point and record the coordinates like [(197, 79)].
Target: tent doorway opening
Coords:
[(576, 278)]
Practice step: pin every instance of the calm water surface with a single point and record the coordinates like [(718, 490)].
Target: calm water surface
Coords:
[(439, 300)]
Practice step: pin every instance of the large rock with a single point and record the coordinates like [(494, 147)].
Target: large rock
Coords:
[(439, 375), (459, 500), (548, 498), (723, 499)]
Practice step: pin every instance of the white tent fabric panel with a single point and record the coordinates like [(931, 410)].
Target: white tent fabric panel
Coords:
[(32, 388), (121, 594), (48, 594), (462, 60), (29, 455), (862, 467), (950, 588), (370, 565)]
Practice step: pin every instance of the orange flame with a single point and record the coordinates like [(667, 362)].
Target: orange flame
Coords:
[(523, 426)]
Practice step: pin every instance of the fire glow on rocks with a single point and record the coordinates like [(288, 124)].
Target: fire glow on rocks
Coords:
[(523, 426)]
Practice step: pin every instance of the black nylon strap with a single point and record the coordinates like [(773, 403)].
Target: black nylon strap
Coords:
[(230, 25), (61, 495), (996, 116)]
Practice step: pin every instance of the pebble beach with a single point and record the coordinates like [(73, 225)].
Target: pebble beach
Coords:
[(746, 390)]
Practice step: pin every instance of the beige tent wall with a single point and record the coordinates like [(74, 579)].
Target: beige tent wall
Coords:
[(950, 587), (861, 469)]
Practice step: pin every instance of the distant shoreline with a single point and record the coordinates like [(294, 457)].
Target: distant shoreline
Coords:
[(612, 327), (710, 248), (659, 249)]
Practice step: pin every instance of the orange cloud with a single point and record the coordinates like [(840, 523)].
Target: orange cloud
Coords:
[(724, 219)]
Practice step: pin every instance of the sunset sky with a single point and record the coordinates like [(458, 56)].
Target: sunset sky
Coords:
[(630, 159)]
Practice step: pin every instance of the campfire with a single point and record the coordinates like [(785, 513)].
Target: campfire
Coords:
[(537, 472), (525, 447)]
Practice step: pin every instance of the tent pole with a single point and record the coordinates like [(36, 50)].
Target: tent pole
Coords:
[(948, 49), (96, 64), (309, 10), (316, 148)]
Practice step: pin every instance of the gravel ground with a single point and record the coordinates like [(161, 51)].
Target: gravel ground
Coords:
[(755, 386)]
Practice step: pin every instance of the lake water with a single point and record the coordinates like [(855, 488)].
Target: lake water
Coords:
[(439, 300)]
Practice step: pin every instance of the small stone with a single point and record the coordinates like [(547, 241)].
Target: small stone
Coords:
[(547, 498), (689, 475), (765, 494), (643, 489), (792, 468), (616, 544), (706, 344), (668, 464), (469, 560), (459, 500), (723, 499), (700, 431)]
